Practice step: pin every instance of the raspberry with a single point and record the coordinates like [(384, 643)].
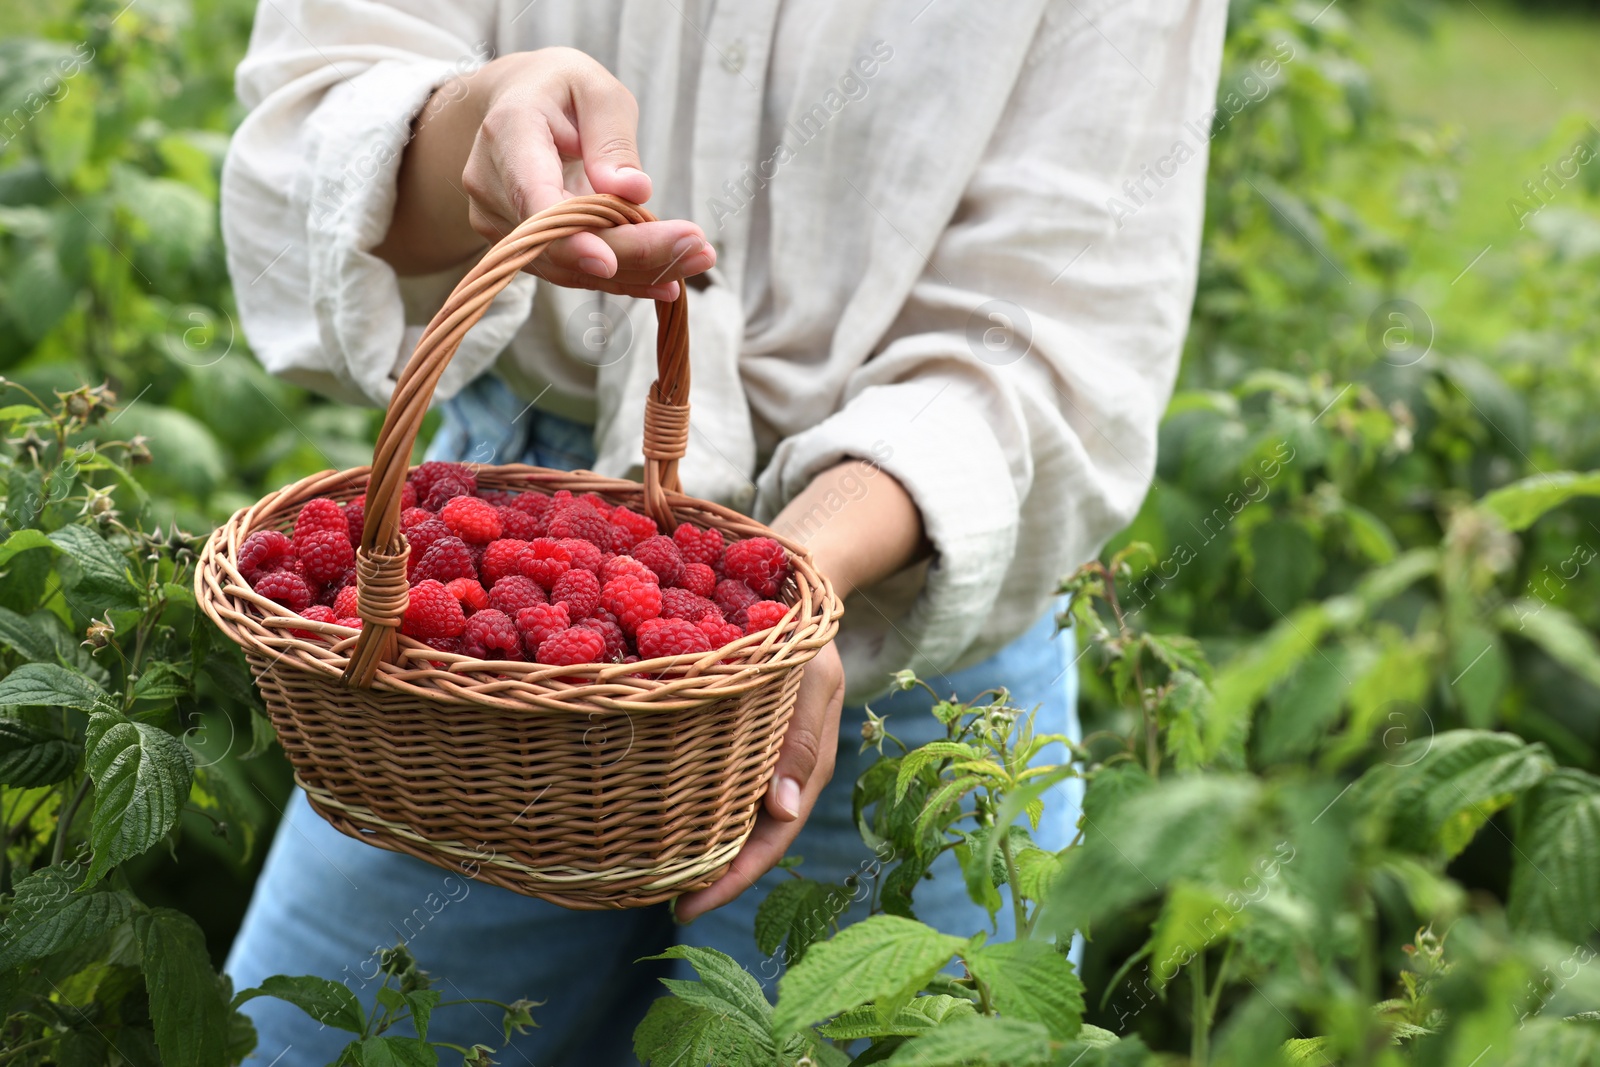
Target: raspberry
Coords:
[(670, 637), (474, 521), (764, 615), (444, 644), (344, 605), (579, 590), (491, 634), (408, 496), (717, 630), (539, 622), (698, 578), (732, 598), (442, 480), (355, 515), (501, 558), (579, 519), (759, 562), (263, 551), (470, 593), (325, 554), (572, 646), (320, 516), (353, 623), (598, 502), (536, 506), (628, 528), (518, 524), (682, 604), (513, 593), (496, 497), (316, 613), (477, 551), (545, 561), (433, 611), (411, 517), (584, 554), (285, 587), (662, 556), (616, 640), (698, 546), (617, 566), (632, 600), (446, 561), (421, 537)]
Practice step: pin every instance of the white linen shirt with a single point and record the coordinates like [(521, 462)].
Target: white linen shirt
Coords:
[(956, 240)]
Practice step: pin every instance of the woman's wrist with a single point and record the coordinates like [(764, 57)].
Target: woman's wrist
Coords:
[(858, 522)]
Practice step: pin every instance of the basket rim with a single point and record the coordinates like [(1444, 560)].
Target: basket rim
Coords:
[(669, 683)]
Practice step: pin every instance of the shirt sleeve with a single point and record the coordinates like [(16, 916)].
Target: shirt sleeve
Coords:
[(308, 189), (1017, 395)]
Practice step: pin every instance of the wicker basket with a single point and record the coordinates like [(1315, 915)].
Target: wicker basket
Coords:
[(602, 786)]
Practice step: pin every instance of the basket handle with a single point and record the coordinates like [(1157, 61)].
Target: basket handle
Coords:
[(381, 589)]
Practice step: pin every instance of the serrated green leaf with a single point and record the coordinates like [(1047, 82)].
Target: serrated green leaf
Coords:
[(1306, 1050), (978, 1039), (262, 735), (188, 1007), (882, 960), (52, 686), (102, 570), (895, 893), (917, 1016), (1036, 872), (776, 913), (328, 1002), (141, 776), (46, 916), (913, 762), (394, 1052), (1521, 504), (1110, 786), (944, 798), (1031, 980), (31, 756), (25, 638), (724, 988), (162, 681), (1192, 918), (1555, 870), (675, 1033), (422, 1002)]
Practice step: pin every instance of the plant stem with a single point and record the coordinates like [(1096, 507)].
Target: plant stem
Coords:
[(66, 821), (1018, 909), (1200, 1012), (38, 1042)]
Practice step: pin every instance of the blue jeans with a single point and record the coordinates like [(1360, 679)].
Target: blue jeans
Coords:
[(326, 904)]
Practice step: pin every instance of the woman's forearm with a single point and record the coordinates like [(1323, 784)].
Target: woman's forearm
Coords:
[(859, 523)]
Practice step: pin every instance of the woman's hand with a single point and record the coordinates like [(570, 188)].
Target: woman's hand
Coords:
[(521, 133), (874, 532)]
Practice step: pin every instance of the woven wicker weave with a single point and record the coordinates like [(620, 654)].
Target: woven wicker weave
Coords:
[(603, 786)]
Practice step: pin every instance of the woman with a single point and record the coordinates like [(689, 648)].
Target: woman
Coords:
[(923, 344)]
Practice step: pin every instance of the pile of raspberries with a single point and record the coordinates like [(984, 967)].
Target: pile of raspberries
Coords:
[(562, 579)]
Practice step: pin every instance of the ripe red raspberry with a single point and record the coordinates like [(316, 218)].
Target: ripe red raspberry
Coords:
[(437, 482), (598, 502), (698, 578), (717, 630), (285, 587), (682, 604), (697, 545), (578, 518), (408, 496), (263, 551), (584, 554), (445, 644), (325, 554), (732, 598), (628, 528), (661, 555), (545, 561), (421, 537), (514, 592), (353, 622), (670, 637), (539, 622), (319, 516), (501, 558), (433, 611), (616, 640), (632, 600), (474, 521), (470, 593), (764, 615), (447, 560), (617, 566), (330, 589), (759, 562), (316, 613), (518, 524), (497, 497), (355, 515), (344, 604), (579, 590), (572, 646), (491, 634), (411, 517), (536, 506)]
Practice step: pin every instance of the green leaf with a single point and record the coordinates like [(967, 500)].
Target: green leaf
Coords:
[(917, 1016), (46, 916), (31, 756), (898, 886), (1112, 785), (1287, 563), (912, 763), (675, 1033), (328, 1002), (66, 131), (1555, 870), (1306, 1050), (52, 686), (261, 735), (161, 681), (102, 570), (798, 912), (1246, 678), (141, 776), (1372, 538), (884, 960), (25, 638), (1521, 504), (422, 1002), (725, 988), (977, 1039), (1183, 713), (1562, 637), (1031, 980), (948, 796), (394, 1052), (1037, 871), (1192, 918), (23, 541), (188, 1005)]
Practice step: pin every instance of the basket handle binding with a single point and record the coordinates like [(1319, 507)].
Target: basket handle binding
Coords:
[(382, 592)]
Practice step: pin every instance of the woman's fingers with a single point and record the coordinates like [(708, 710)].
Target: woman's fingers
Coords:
[(649, 254)]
